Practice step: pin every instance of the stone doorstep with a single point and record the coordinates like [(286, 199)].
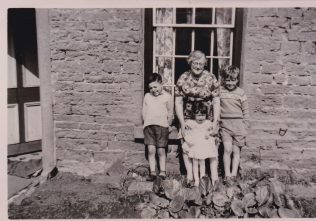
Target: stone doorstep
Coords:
[(24, 165)]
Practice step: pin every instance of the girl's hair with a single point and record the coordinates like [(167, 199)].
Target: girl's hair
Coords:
[(196, 55), (199, 108), (230, 72), (154, 77)]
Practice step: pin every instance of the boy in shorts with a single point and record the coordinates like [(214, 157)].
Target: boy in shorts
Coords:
[(157, 116), (234, 121)]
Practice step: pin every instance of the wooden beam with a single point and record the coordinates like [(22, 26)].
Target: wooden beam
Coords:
[(43, 40)]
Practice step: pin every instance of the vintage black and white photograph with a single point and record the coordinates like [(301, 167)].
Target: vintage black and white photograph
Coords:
[(161, 112)]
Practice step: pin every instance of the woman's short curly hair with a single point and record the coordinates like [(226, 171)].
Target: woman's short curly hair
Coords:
[(196, 55)]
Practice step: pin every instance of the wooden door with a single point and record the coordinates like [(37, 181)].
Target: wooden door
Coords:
[(24, 110)]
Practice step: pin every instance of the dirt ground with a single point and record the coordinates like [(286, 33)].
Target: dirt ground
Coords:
[(69, 196)]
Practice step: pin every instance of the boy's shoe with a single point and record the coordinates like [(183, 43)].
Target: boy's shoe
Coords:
[(162, 175), (216, 185), (188, 183), (229, 181), (151, 177)]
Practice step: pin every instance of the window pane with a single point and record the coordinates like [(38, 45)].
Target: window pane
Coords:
[(203, 16), (164, 42), (184, 15), (215, 68), (223, 15), (183, 41), (203, 40), (164, 15), (181, 65), (222, 42), (163, 67), (207, 66)]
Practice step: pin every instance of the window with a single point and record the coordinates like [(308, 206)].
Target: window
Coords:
[(172, 33)]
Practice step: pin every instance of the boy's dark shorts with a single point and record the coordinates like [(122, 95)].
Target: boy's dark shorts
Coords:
[(234, 131), (156, 135)]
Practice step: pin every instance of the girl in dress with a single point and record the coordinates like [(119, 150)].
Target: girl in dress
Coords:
[(199, 142)]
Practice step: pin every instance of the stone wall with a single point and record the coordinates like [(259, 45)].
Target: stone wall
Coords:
[(97, 70), (280, 80)]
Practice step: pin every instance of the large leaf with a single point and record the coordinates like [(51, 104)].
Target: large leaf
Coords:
[(159, 201), (232, 191), (251, 210), (270, 200), (192, 194), (278, 190), (220, 199), (174, 215), (184, 214), (194, 211), (219, 209), (249, 200), (279, 200), (171, 188), (205, 185), (177, 203), (148, 213), (262, 195), (157, 186), (288, 213), (163, 214), (140, 206), (275, 213), (208, 199), (291, 205), (236, 207), (265, 212)]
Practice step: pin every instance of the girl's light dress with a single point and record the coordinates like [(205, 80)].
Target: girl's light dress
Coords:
[(198, 143)]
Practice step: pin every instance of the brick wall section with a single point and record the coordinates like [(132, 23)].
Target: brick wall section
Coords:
[(280, 81), (97, 72)]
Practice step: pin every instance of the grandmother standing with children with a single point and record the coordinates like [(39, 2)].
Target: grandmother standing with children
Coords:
[(204, 108), (198, 86)]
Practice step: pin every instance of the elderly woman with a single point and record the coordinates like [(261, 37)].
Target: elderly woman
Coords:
[(197, 85)]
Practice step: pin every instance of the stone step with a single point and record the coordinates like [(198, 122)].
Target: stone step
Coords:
[(24, 165)]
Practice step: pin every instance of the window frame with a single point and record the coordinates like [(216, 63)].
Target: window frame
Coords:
[(149, 30)]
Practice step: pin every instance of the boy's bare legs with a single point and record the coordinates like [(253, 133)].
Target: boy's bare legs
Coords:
[(162, 161), (236, 160), (214, 172), (202, 168), (228, 148), (152, 158), (196, 172)]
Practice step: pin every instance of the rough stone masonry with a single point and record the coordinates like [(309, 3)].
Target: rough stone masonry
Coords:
[(280, 81), (97, 70), (97, 67)]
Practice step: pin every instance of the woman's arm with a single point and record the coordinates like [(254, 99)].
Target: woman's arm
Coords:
[(216, 111), (179, 112)]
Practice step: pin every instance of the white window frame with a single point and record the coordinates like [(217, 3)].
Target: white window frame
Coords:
[(193, 26)]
